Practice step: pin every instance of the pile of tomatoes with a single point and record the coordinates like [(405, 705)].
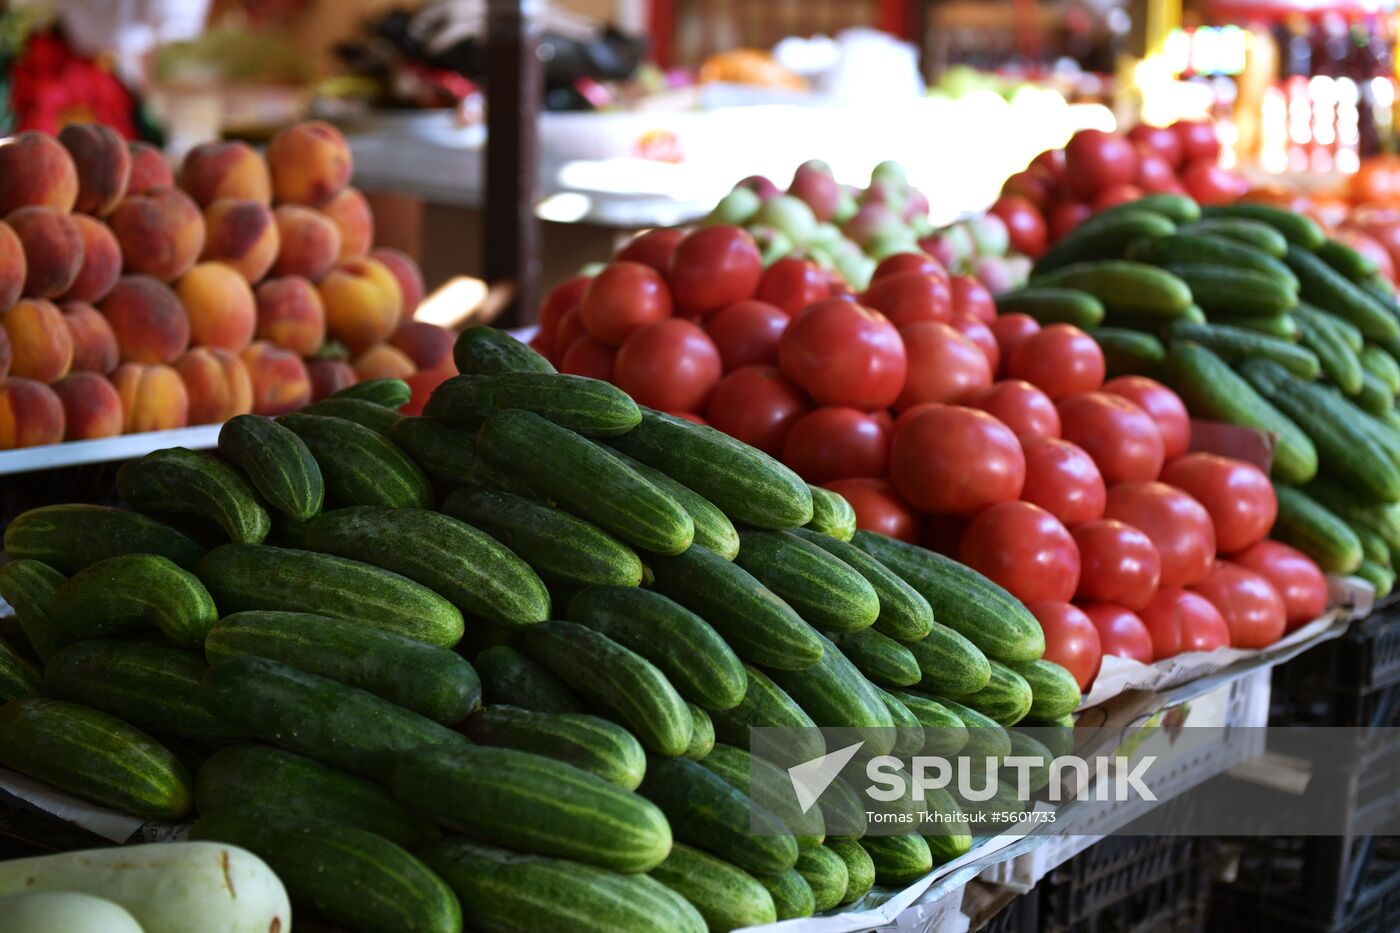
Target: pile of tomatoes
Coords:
[(984, 437)]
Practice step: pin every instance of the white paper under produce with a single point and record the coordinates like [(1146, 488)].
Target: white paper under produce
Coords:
[(109, 824)]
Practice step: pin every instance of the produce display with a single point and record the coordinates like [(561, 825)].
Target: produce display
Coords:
[(134, 298)]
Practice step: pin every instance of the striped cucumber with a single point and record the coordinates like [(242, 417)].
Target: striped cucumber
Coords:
[(1340, 362), (825, 873), (1178, 208), (1380, 577), (1194, 249), (71, 537), (596, 745), (1129, 352), (1104, 236), (363, 412), (948, 837), (792, 896), (130, 592), (832, 515), (860, 870), (28, 586), (985, 737), (1253, 233), (909, 731), (449, 455), (360, 466), (713, 529), (943, 730), (1316, 531), (1123, 286), (1226, 291), (1383, 366), (277, 462), (1375, 396), (1281, 326), (1373, 546), (509, 678), (760, 778), (880, 658), (1234, 345), (904, 614), (1300, 230), (1006, 699), (1054, 691), (702, 734), (590, 407), (19, 677), (836, 695), (482, 350), (949, 663), (766, 705), (1053, 306), (822, 588), (843, 813), (187, 484), (1327, 288), (385, 392), (898, 860), (1026, 744), (727, 897), (1347, 261)]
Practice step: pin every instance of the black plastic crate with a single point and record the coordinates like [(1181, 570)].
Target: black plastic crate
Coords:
[(1130, 884), (1351, 681), (1019, 916)]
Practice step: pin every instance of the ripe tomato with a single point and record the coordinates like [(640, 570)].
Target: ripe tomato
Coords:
[(570, 329), (978, 332), (944, 366), (1155, 174), (1065, 216), (622, 299), (653, 248), (756, 405), (1179, 620), (909, 298), (1114, 196), (1024, 223), (1248, 603), (1071, 640), (1010, 330), (1198, 140), (1298, 580), (1095, 160), (541, 344), (920, 262), (1121, 632), (587, 357), (879, 508), (792, 284), (560, 300), (1178, 525), (1033, 185), (1023, 408), (1062, 479), (1052, 162), (1117, 564), (690, 416), (1122, 439), (670, 365), (1162, 405), (844, 354), (970, 296), (836, 443), (1160, 140), (1025, 549), (956, 460), (747, 332), (1210, 184), (1238, 496), (712, 267), (1060, 359)]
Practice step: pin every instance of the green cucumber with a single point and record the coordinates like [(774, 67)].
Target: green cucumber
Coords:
[(909, 731), (1129, 352), (184, 483), (1382, 365), (1028, 746), (860, 870), (1006, 699), (277, 462), (832, 515), (1227, 291), (1178, 208), (596, 745), (822, 588), (727, 897), (1123, 286), (713, 529), (880, 658), (1340, 362), (949, 663), (1194, 249), (1296, 228), (1053, 306), (836, 695), (1316, 531), (1373, 546), (93, 755), (1381, 578), (28, 586), (360, 466), (702, 734), (943, 730), (482, 350), (766, 705), (1102, 237), (756, 623), (745, 772), (243, 577), (898, 860), (449, 455), (1375, 396), (1347, 261), (590, 407), (1327, 288), (19, 677), (1054, 691), (843, 813), (270, 778), (1281, 326), (511, 679), (344, 874), (1356, 511), (363, 412), (130, 592), (792, 896), (962, 599), (946, 834), (985, 737), (71, 537), (904, 614), (1253, 233), (1234, 345), (825, 873), (385, 392), (746, 484)]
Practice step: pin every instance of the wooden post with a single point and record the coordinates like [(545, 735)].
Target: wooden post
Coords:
[(514, 90)]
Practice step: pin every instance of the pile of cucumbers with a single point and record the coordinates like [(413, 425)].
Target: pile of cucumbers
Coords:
[(497, 664), (1256, 318)]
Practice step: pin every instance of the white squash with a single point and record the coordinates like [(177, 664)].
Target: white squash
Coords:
[(171, 887), (63, 912)]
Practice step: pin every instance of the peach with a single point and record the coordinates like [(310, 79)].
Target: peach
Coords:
[(36, 169), (310, 163), (14, 268), (280, 380), (161, 232), (148, 169), (350, 212), (103, 163), (363, 305), (225, 170), (427, 345), (383, 362), (91, 406), (328, 377), (291, 315), (217, 384), (146, 315), (242, 233), (220, 306), (41, 345), (94, 343), (153, 397), (406, 272), (102, 261), (53, 250), (30, 414), (310, 242)]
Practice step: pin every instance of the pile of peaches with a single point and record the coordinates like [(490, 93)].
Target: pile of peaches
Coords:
[(134, 298)]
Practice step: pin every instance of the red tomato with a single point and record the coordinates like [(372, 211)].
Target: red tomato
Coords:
[(1248, 603), (756, 405), (1210, 184), (1238, 496), (587, 357), (1179, 620), (747, 332), (1118, 564), (1298, 580), (972, 297), (1162, 405), (978, 332), (712, 267), (1022, 407), (1025, 549), (919, 262), (1052, 162), (1062, 479), (909, 298), (421, 384), (1061, 359), (1065, 216), (653, 248), (792, 284), (1034, 186), (836, 443), (690, 416), (1095, 160), (1121, 632), (956, 460), (879, 508), (1198, 140), (1071, 640), (1112, 197), (943, 534), (1160, 140), (670, 365), (844, 354), (908, 415), (1155, 174), (1024, 223), (541, 344), (944, 366), (1010, 330), (622, 299), (561, 299), (570, 329), (1178, 525), (1122, 439)]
